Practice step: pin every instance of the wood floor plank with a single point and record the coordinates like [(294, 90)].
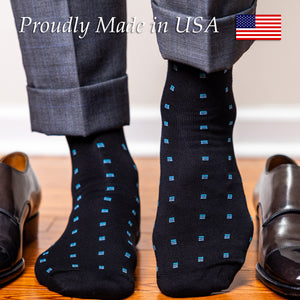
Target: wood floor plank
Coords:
[(55, 176)]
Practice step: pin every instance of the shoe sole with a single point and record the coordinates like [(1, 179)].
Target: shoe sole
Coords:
[(276, 286), (29, 234), (11, 274)]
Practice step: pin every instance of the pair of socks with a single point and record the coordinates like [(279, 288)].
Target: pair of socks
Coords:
[(202, 229)]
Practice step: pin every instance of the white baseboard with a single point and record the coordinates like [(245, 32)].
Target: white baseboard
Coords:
[(259, 132)]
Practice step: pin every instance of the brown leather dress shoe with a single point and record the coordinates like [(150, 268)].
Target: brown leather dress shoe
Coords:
[(277, 199), (19, 203)]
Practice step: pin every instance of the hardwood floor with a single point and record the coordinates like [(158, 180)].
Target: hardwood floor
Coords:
[(54, 175)]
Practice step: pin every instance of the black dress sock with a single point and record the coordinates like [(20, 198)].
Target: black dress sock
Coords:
[(203, 227), (96, 256)]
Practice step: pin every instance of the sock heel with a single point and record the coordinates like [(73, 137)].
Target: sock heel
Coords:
[(31, 227)]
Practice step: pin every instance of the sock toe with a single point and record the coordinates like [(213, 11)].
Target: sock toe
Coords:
[(108, 286), (200, 283)]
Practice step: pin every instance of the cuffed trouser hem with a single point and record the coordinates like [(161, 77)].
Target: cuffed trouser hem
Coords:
[(94, 108), (210, 51)]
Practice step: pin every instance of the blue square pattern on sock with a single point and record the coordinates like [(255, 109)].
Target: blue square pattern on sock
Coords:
[(166, 141), (78, 186), (74, 152), (102, 224), (229, 176), (102, 238), (226, 89), (229, 140), (43, 260), (202, 216), (172, 220), (229, 157), (128, 233), (203, 96), (169, 159), (229, 196), (124, 270), (74, 231), (46, 253), (49, 270), (204, 176), (226, 236), (166, 124), (101, 267), (203, 196), (110, 188), (76, 207), (173, 242), (76, 171), (79, 198), (171, 178), (130, 223), (203, 127), (205, 158), (204, 142), (130, 243), (110, 175), (73, 255), (230, 123), (225, 255), (230, 106), (75, 219), (108, 199), (100, 145), (229, 216), (175, 265), (100, 253), (73, 245), (133, 212), (124, 147), (171, 198), (128, 255), (107, 161), (104, 210), (200, 259), (201, 238), (167, 106), (172, 88), (75, 266), (203, 113)]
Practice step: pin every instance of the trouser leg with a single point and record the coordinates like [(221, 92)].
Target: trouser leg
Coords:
[(75, 86), (210, 51)]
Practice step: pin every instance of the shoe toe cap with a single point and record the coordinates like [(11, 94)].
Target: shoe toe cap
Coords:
[(284, 265)]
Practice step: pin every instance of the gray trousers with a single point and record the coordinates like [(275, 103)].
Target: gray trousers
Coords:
[(79, 86)]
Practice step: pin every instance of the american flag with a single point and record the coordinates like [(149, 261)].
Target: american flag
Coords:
[(258, 27)]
